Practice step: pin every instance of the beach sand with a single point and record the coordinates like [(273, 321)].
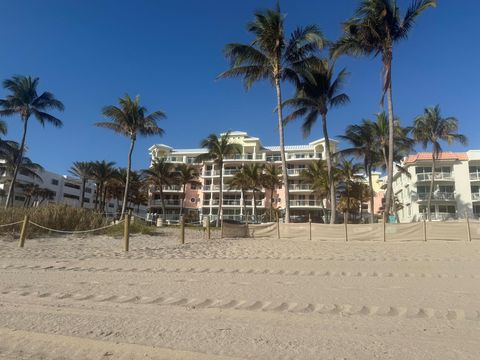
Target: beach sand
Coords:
[(84, 298)]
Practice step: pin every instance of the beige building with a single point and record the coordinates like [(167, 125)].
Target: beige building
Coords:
[(203, 199)]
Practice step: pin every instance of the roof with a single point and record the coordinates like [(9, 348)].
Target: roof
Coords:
[(443, 156)]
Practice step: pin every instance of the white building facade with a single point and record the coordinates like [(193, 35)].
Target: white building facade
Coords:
[(456, 192)]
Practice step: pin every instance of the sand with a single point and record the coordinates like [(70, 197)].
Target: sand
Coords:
[(83, 298)]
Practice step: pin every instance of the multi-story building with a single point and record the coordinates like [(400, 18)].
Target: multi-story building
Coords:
[(456, 191), (203, 198), (63, 190)]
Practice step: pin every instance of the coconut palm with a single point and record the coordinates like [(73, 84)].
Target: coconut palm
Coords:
[(253, 172), (185, 174), (10, 153), (375, 29), (102, 172), (130, 119), (317, 175), (24, 100), (275, 57), (271, 179), (218, 148), (363, 144), (348, 173), (82, 170), (315, 96), (160, 174), (241, 181), (431, 128)]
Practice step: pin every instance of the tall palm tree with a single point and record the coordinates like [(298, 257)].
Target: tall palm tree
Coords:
[(348, 173), (241, 181), (315, 96), (374, 30), (130, 119), (431, 128), (254, 174), (275, 57), (317, 175), (102, 172), (271, 179), (364, 145), (160, 174), (218, 148), (10, 153), (23, 99), (82, 170), (3, 127), (185, 174)]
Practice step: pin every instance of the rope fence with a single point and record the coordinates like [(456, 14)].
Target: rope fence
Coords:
[(11, 224), (72, 232)]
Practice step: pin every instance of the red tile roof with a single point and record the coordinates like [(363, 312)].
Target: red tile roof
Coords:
[(443, 156)]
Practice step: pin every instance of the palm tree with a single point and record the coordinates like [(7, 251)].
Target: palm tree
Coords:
[(317, 175), (185, 174), (160, 174), (218, 148), (315, 96), (24, 100), (348, 173), (102, 172), (374, 30), (82, 170), (364, 145), (3, 127), (271, 179), (10, 153), (253, 173), (131, 120), (241, 181), (431, 128), (274, 57)]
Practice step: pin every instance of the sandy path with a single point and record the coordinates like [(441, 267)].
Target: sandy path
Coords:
[(257, 299)]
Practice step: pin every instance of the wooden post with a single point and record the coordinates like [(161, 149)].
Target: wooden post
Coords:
[(246, 225), (424, 229), (182, 230), (384, 228), (221, 224), (345, 221), (208, 227), (278, 225), (126, 232), (23, 233), (309, 226), (469, 234)]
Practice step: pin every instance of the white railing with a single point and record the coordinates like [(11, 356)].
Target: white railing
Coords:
[(271, 158), (211, 173), (439, 216), (294, 171), (244, 157), (437, 196), (305, 203), (228, 172), (250, 202), (475, 176), (230, 202), (173, 159), (167, 202), (300, 156), (172, 188), (300, 187), (438, 176), (211, 187)]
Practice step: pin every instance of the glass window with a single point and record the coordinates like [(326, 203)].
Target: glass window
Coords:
[(54, 182)]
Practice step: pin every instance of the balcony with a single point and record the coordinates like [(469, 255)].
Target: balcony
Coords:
[(250, 203), (244, 157), (446, 196), (305, 203), (211, 187), (231, 202), (476, 196), (445, 176), (172, 159), (300, 187), (294, 172), (174, 188), (475, 176), (168, 202), (230, 172), (210, 173), (303, 156), (439, 216), (273, 158)]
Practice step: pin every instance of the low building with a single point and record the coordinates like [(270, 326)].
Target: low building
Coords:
[(456, 191)]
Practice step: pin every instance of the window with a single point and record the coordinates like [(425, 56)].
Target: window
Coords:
[(19, 198), (449, 209), (54, 182), (88, 190), (194, 186), (192, 200), (70, 196), (86, 200), (72, 186)]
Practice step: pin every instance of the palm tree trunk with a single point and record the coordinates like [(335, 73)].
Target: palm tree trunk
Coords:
[(17, 165), (282, 148), (370, 183), (271, 203), (244, 205), (220, 200), (82, 197), (254, 205), (328, 158), (432, 183), (183, 199), (388, 201), (164, 214), (127, 180), (97, 191)]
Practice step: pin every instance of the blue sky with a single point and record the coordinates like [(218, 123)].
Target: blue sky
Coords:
[(88, 53)]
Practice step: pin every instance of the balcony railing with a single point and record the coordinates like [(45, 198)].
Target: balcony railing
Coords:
[(475, 176), (250, 202), (230, 202), (244, 157), (437, 196), (211, 187), (476, 196), (438, 176), (305, 203), (173, 159), (228, 172), (271, 158), (211, 173), (439, 216), (172, 188), (168, 202), (294, 171), (300, 187), (300, 156)]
